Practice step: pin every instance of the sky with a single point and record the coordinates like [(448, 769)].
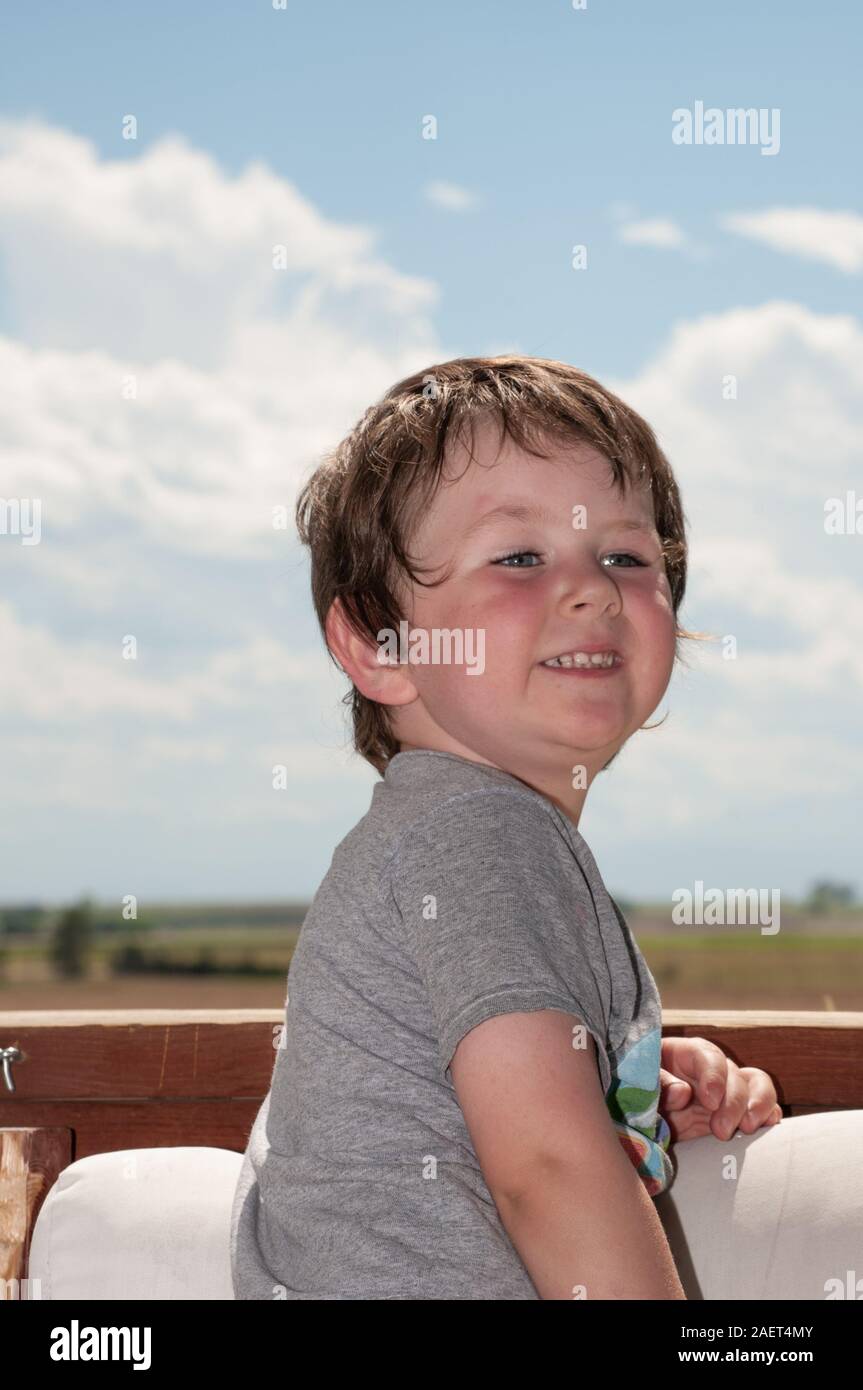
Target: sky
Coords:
[(430, 173)]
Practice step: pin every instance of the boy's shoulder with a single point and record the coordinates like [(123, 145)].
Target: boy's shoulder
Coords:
[(427, 795)]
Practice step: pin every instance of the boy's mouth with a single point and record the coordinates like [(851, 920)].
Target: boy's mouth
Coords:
[(585, 660)]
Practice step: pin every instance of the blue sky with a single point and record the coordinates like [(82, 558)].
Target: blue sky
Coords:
[(551, 116), (148, 258)]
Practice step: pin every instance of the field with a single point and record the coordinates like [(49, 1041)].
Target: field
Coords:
[(808, 964)]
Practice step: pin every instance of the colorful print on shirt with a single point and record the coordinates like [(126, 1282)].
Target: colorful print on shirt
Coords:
[(633, 1103)]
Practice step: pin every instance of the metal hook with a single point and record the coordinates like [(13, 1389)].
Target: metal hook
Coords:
[(8, 1055)]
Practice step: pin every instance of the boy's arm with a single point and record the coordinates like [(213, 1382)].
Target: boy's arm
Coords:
[(569, 1198)]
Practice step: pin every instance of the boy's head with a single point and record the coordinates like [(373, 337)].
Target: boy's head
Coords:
[(391, 517)]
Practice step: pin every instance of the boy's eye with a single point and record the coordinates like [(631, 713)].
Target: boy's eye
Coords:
[(516, 555), (626, 555), (520, 554)]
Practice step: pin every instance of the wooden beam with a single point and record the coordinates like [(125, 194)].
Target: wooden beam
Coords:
[(31, 1159), (815, 1059), (72, 1060), (108, 1054), (106, 1126)]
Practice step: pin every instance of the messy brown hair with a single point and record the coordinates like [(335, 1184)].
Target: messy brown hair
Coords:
[(357, 511)]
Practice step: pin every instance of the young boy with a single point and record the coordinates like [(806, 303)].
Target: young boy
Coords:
[(465, 1102)]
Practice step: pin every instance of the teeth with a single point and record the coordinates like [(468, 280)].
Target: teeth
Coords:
[(582, 659)]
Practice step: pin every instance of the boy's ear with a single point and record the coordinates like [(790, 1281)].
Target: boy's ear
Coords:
[(358, 657)]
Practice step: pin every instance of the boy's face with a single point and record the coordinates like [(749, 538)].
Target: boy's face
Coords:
[(605, 583)]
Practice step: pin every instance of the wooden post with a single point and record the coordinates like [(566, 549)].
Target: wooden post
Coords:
[(30, 1163)]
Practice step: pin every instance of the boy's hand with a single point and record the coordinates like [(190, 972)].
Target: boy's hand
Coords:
[(704, 1092)]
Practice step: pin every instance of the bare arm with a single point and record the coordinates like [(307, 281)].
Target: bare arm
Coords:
[(570, 1199), (593, 1234)]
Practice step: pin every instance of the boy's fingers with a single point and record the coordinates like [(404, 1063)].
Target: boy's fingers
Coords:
[(712, 1075), (674, 1093), (733, 1097), (733, 1110), (762, 1105), (703, 1065)]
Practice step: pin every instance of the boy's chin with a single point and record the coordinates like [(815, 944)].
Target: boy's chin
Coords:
[(595, 736)]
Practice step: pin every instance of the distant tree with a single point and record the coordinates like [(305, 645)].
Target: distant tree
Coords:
[(70, 944), (826, 894), (129, 960), (17, 921), (205, 964)]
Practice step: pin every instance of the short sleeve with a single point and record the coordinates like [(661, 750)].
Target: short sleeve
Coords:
[(499, 918)]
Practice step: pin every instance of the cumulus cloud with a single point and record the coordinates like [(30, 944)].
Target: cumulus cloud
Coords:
[(167, 256), (166, 388), (451, 196), (196, 459), (657, 231), (836, 238), (165, 391), (159, 378), (760, 411), (49, 678)]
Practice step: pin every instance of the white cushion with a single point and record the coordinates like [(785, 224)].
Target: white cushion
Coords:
[(138, 1223), (778, 1223), (773, 1215)]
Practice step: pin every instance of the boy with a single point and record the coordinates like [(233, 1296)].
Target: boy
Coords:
[(465, 1104)]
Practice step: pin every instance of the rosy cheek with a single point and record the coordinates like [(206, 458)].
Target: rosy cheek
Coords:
[(515, 595)]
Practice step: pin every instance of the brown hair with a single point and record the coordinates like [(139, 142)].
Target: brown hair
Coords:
[(357, 511)]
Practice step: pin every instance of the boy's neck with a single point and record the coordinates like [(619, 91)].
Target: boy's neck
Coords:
[(555, 785)]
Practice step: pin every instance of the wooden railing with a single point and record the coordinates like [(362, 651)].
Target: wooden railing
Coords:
[(96, 1081)]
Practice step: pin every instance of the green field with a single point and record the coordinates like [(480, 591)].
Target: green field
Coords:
[(733, 967)]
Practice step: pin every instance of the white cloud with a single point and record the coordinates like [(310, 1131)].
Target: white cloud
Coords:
[(185, 750), (657, 231), (157, 511), (836, 238), (181, 399), (166, 256), (48, 677), (720, 771), (795, 429), (751, 575), (451, 196), (744, 736)]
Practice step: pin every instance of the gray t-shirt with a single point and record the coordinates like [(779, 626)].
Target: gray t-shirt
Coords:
[(462, 893)]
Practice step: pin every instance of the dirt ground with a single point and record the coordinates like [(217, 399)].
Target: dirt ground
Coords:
[(144, 992), (163, 992)]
